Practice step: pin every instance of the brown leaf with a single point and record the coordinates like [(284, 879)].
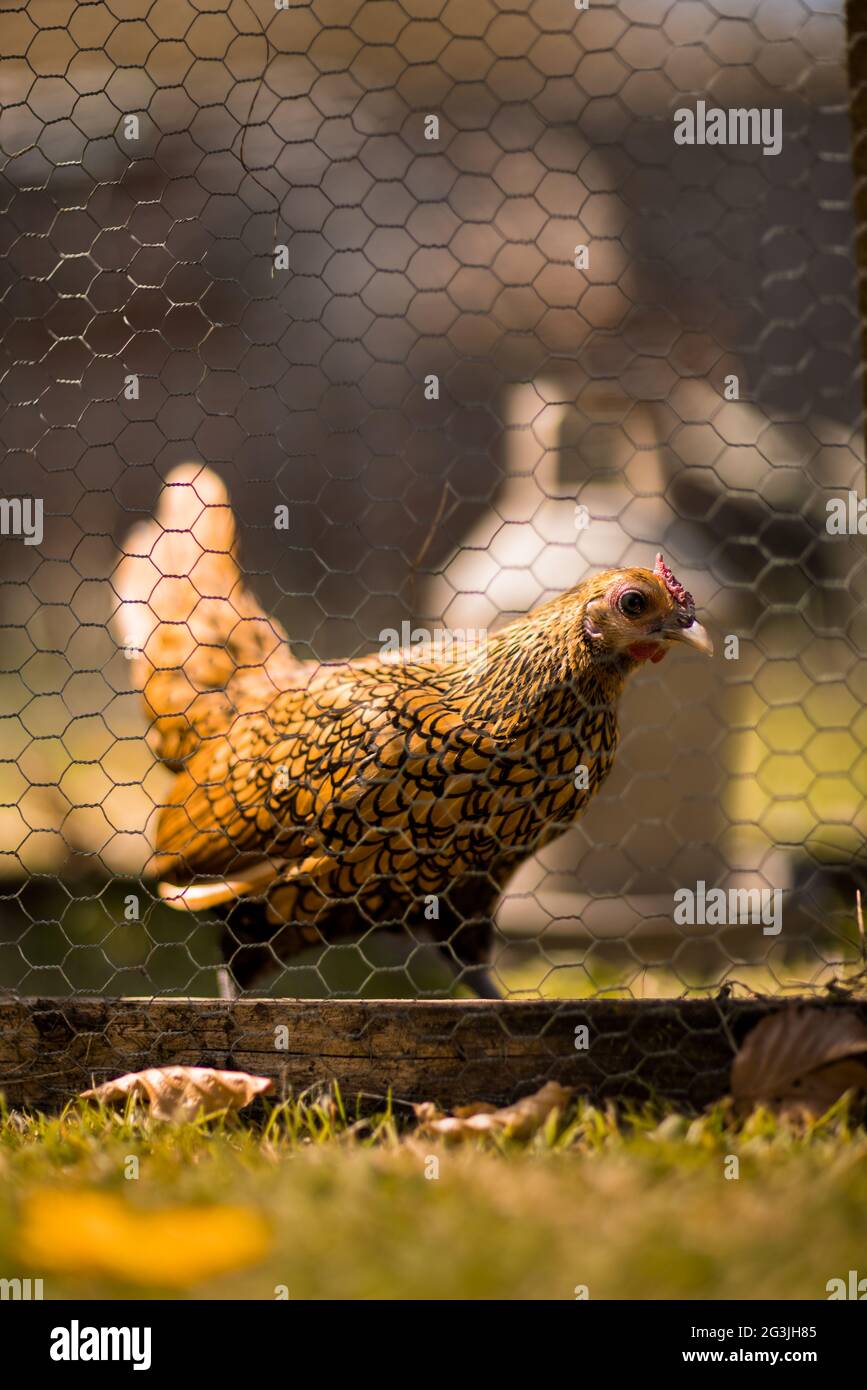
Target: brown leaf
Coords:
[(518, 1121), (426, 1111), (180, 1093), (801, 1059)]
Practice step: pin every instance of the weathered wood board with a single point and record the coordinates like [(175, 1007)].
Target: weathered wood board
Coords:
[(450, 1051)]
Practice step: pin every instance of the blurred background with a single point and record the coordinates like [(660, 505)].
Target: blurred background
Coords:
[(147, 249)]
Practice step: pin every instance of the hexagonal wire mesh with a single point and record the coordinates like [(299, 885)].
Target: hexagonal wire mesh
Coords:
[(233, 235)]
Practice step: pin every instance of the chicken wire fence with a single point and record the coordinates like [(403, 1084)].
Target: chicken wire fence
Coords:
[(436, 291)]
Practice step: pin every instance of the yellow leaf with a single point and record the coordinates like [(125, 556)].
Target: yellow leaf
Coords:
[(97, 1233)]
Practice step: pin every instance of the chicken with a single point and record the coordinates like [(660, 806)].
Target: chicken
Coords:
[(313, 803)]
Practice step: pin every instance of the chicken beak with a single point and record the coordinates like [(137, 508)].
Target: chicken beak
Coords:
[(694, 636)]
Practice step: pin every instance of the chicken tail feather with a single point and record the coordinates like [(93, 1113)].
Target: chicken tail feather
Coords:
[(201, 648)]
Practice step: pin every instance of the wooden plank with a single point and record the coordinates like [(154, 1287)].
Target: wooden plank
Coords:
[(445, 1050)]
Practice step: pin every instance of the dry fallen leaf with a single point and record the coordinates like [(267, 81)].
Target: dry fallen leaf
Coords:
[(801, 1060), (518, 1121), (98, 1233), (180, 1093)]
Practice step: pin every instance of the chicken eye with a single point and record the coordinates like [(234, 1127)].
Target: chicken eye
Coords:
[(633, 603)]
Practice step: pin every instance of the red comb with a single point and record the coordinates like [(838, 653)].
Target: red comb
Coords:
[(674, 587)]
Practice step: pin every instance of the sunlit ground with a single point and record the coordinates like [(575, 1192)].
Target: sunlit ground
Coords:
[(310, 1204)]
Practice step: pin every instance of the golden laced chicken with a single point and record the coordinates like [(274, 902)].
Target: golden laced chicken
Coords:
[(312, 803)]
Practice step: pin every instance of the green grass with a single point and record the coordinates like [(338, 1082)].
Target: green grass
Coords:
[(635, 1207)]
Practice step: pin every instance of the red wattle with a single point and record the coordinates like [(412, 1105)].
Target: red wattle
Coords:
[(647, 651)]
